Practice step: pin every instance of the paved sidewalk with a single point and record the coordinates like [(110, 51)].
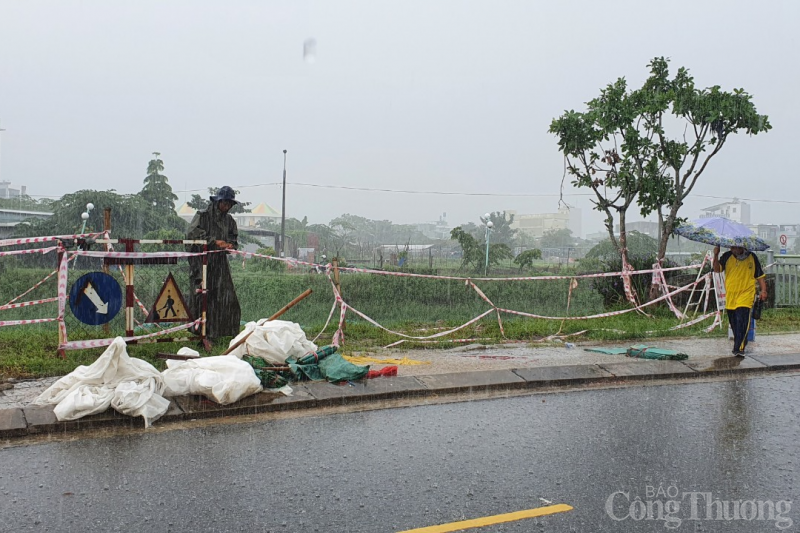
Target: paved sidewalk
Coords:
[(460, 370)]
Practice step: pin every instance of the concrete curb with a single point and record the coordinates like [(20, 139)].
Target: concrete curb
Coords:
[(32, 420)]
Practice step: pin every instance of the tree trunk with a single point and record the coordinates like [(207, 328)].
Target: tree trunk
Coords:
[(622, 244), (666, 227)]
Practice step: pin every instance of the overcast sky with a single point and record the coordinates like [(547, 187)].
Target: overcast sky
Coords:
[(450, 96)]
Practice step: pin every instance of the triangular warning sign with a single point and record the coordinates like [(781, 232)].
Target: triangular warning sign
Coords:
[(170, 305)]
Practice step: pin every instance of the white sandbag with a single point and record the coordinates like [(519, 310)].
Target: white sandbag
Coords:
[(224, 378), (274, 341), (92, 389), (140, 399), (83, 400)]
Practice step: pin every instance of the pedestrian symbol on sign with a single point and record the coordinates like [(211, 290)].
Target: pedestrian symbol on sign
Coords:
[(170, 305)]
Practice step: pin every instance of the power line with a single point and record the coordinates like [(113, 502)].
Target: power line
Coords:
[(402, 191), (450, 193), (748, 199)]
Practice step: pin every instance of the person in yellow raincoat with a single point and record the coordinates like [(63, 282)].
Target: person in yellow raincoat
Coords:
[(742, 269)]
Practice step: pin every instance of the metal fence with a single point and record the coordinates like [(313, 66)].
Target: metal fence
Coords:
[(90, 294), (786, 270)]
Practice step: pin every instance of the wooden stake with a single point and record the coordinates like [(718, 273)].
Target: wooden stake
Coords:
[(273, 317), (335, 264)]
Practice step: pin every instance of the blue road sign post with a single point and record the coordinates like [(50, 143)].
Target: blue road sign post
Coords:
[(95, 298)]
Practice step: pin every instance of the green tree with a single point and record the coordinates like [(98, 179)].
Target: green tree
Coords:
[(502, 232), (639, 245), (620, 147), (526, 258), (164, 235), (131, 216), (200, 203), (557, 238), (23, 203), (604, 257), (157, 190), (474, 252)]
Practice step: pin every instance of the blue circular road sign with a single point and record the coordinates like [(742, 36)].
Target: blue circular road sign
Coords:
[(95, 298)]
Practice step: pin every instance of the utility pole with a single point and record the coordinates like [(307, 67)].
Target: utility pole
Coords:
[(283, 206)]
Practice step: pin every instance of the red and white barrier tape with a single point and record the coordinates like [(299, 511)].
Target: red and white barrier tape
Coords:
[(610, 313), (339, 335), (51, 238), (26, 304), (435, 335), (487, 300), (691, 322), (330, 315), (63, 269), (626, 283), (458, 278), (23, 322), (30, 251), (99, 343), (134, 255), (50, 275), (401, 341)]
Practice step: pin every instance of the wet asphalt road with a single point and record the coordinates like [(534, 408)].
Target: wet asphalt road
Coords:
[(397, 469)]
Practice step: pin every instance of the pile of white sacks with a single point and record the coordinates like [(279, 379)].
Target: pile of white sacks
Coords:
[(134, 387)]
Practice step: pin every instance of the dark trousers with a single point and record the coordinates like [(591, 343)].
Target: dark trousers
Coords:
[(740, 324)]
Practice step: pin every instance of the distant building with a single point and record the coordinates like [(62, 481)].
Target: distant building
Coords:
[(435, 230), (260, 212), (186, 212), (792, 231), (735, 210), (244, 220), (537, 224), (9, 218), (7, 192), (644, 227), (772, 233)]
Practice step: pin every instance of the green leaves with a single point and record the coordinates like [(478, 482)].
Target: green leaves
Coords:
[(157, 190), (650, 145), (526, 258), (131, 216)]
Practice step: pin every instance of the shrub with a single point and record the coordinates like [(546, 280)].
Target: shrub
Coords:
[(268, 265)]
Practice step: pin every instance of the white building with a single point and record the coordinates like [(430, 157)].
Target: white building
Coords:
[(10, 218), (6, 191), (735, 210), (538, 223), (772, 233)]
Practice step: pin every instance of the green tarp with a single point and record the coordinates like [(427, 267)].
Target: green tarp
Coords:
[(642, 351), (333, 368), (324, 364)]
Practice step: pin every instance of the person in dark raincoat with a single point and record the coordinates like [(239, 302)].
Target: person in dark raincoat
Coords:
[(219, 230)]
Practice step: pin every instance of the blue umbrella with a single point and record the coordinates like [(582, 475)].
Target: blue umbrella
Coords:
[(720, 231)]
